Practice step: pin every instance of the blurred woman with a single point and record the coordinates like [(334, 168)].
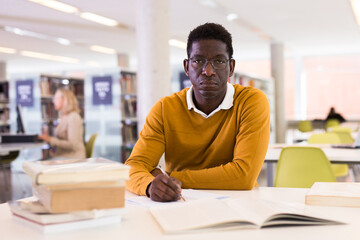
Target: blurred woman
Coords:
[(68, 139)]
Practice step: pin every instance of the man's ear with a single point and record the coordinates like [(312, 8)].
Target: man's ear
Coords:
[(186, 67), (232, 67)]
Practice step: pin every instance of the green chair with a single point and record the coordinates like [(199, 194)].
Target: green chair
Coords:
[(89, 146), (339, 170), (341, 129), (302, 166), (331, 123), (345, 137), (305, 126)]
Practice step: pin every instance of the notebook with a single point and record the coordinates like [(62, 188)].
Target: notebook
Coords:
[(356, 144)]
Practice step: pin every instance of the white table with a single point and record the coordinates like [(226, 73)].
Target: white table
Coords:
[(138, 224), (5, 148), (335, 155)]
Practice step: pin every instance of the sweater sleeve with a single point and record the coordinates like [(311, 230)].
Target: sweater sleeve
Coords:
[(147, 152), (251, 144), (74, 134)]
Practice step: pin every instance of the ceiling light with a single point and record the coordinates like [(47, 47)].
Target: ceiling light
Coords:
[(49, 57), (93, 64), (27, 33), (56, 5), (177, 43), (231, 17), (65, 81), (208, 3), (63, 41), (102, 49), (7, 50), (98, 19), (355, 4)]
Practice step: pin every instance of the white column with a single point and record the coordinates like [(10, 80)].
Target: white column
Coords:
[(153, 72), (2, 71), (277, 72), (300, 89)]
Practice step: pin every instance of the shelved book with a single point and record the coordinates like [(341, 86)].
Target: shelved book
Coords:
[(31, 212), (236, 213), (70, 171), (340, 194)]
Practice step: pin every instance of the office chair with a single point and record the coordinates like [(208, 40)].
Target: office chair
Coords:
[(305, 126), (89, 146), (331, 123), (302, 166), (339, 170)]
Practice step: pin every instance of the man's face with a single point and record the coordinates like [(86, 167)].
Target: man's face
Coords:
[(209, 68)]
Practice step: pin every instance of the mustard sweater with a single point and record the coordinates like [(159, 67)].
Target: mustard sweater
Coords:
[(225, 151)]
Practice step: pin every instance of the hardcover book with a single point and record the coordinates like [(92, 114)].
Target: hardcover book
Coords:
[(66, 171)]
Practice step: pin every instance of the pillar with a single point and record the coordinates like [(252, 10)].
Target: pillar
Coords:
[(153, 53), (277, 72)]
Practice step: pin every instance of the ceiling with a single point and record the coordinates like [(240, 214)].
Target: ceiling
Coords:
[(305, 27)]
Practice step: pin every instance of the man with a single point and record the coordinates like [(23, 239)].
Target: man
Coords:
[(215, 135)]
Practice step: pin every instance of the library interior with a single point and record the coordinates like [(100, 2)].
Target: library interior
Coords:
[(94, 74)]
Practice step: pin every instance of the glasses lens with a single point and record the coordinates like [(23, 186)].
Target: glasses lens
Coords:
[(218, 63)]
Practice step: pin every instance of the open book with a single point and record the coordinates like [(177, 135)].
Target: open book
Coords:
[(213, 214)]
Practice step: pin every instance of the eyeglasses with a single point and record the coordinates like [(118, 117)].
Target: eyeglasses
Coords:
[(216, 63)]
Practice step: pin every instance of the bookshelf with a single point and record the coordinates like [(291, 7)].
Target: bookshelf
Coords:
[(49, 116), (4, 107), (264, 84), (128, 103)]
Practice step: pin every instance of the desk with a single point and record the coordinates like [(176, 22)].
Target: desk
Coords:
[(335, 155), (5, 148), (139, 224)]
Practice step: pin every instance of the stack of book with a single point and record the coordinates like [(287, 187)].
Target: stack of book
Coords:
[(69, 191)]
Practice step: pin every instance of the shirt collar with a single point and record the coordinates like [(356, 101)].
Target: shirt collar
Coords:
[(227, 102)]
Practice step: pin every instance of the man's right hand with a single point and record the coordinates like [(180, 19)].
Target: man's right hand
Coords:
[(164, 189)]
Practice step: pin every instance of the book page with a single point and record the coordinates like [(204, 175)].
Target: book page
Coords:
[(188, 194), (197, 215)]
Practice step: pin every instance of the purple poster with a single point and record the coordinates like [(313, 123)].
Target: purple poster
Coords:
[(24, 93), (102, 90)]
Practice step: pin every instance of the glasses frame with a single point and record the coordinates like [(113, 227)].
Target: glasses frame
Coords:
[(211, 61)]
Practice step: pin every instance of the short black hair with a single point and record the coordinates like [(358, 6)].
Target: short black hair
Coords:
[(210, 31)]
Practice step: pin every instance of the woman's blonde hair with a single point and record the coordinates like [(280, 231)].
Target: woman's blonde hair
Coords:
[(70, 101)]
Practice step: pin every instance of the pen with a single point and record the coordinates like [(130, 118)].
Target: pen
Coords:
[(165, 173)]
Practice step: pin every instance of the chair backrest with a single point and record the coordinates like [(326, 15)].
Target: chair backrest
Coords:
[(341, 129), (345, 137), (326, 138), (305, 126), (302, 166), (90, 146), (332, 123)]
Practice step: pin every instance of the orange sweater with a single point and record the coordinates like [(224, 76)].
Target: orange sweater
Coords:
[(225, 151)]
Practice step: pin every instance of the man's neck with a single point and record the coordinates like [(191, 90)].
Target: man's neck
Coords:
[(208, 105)]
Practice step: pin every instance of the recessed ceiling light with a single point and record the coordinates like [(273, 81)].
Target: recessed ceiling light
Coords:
[(208, 3), (355, 4), (27, 33), (101, 49), (49, 57), (56, 5), (98, 19), (7, 50), (231, 17)]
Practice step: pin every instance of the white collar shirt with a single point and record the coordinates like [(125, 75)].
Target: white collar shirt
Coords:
[(226, 104)]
